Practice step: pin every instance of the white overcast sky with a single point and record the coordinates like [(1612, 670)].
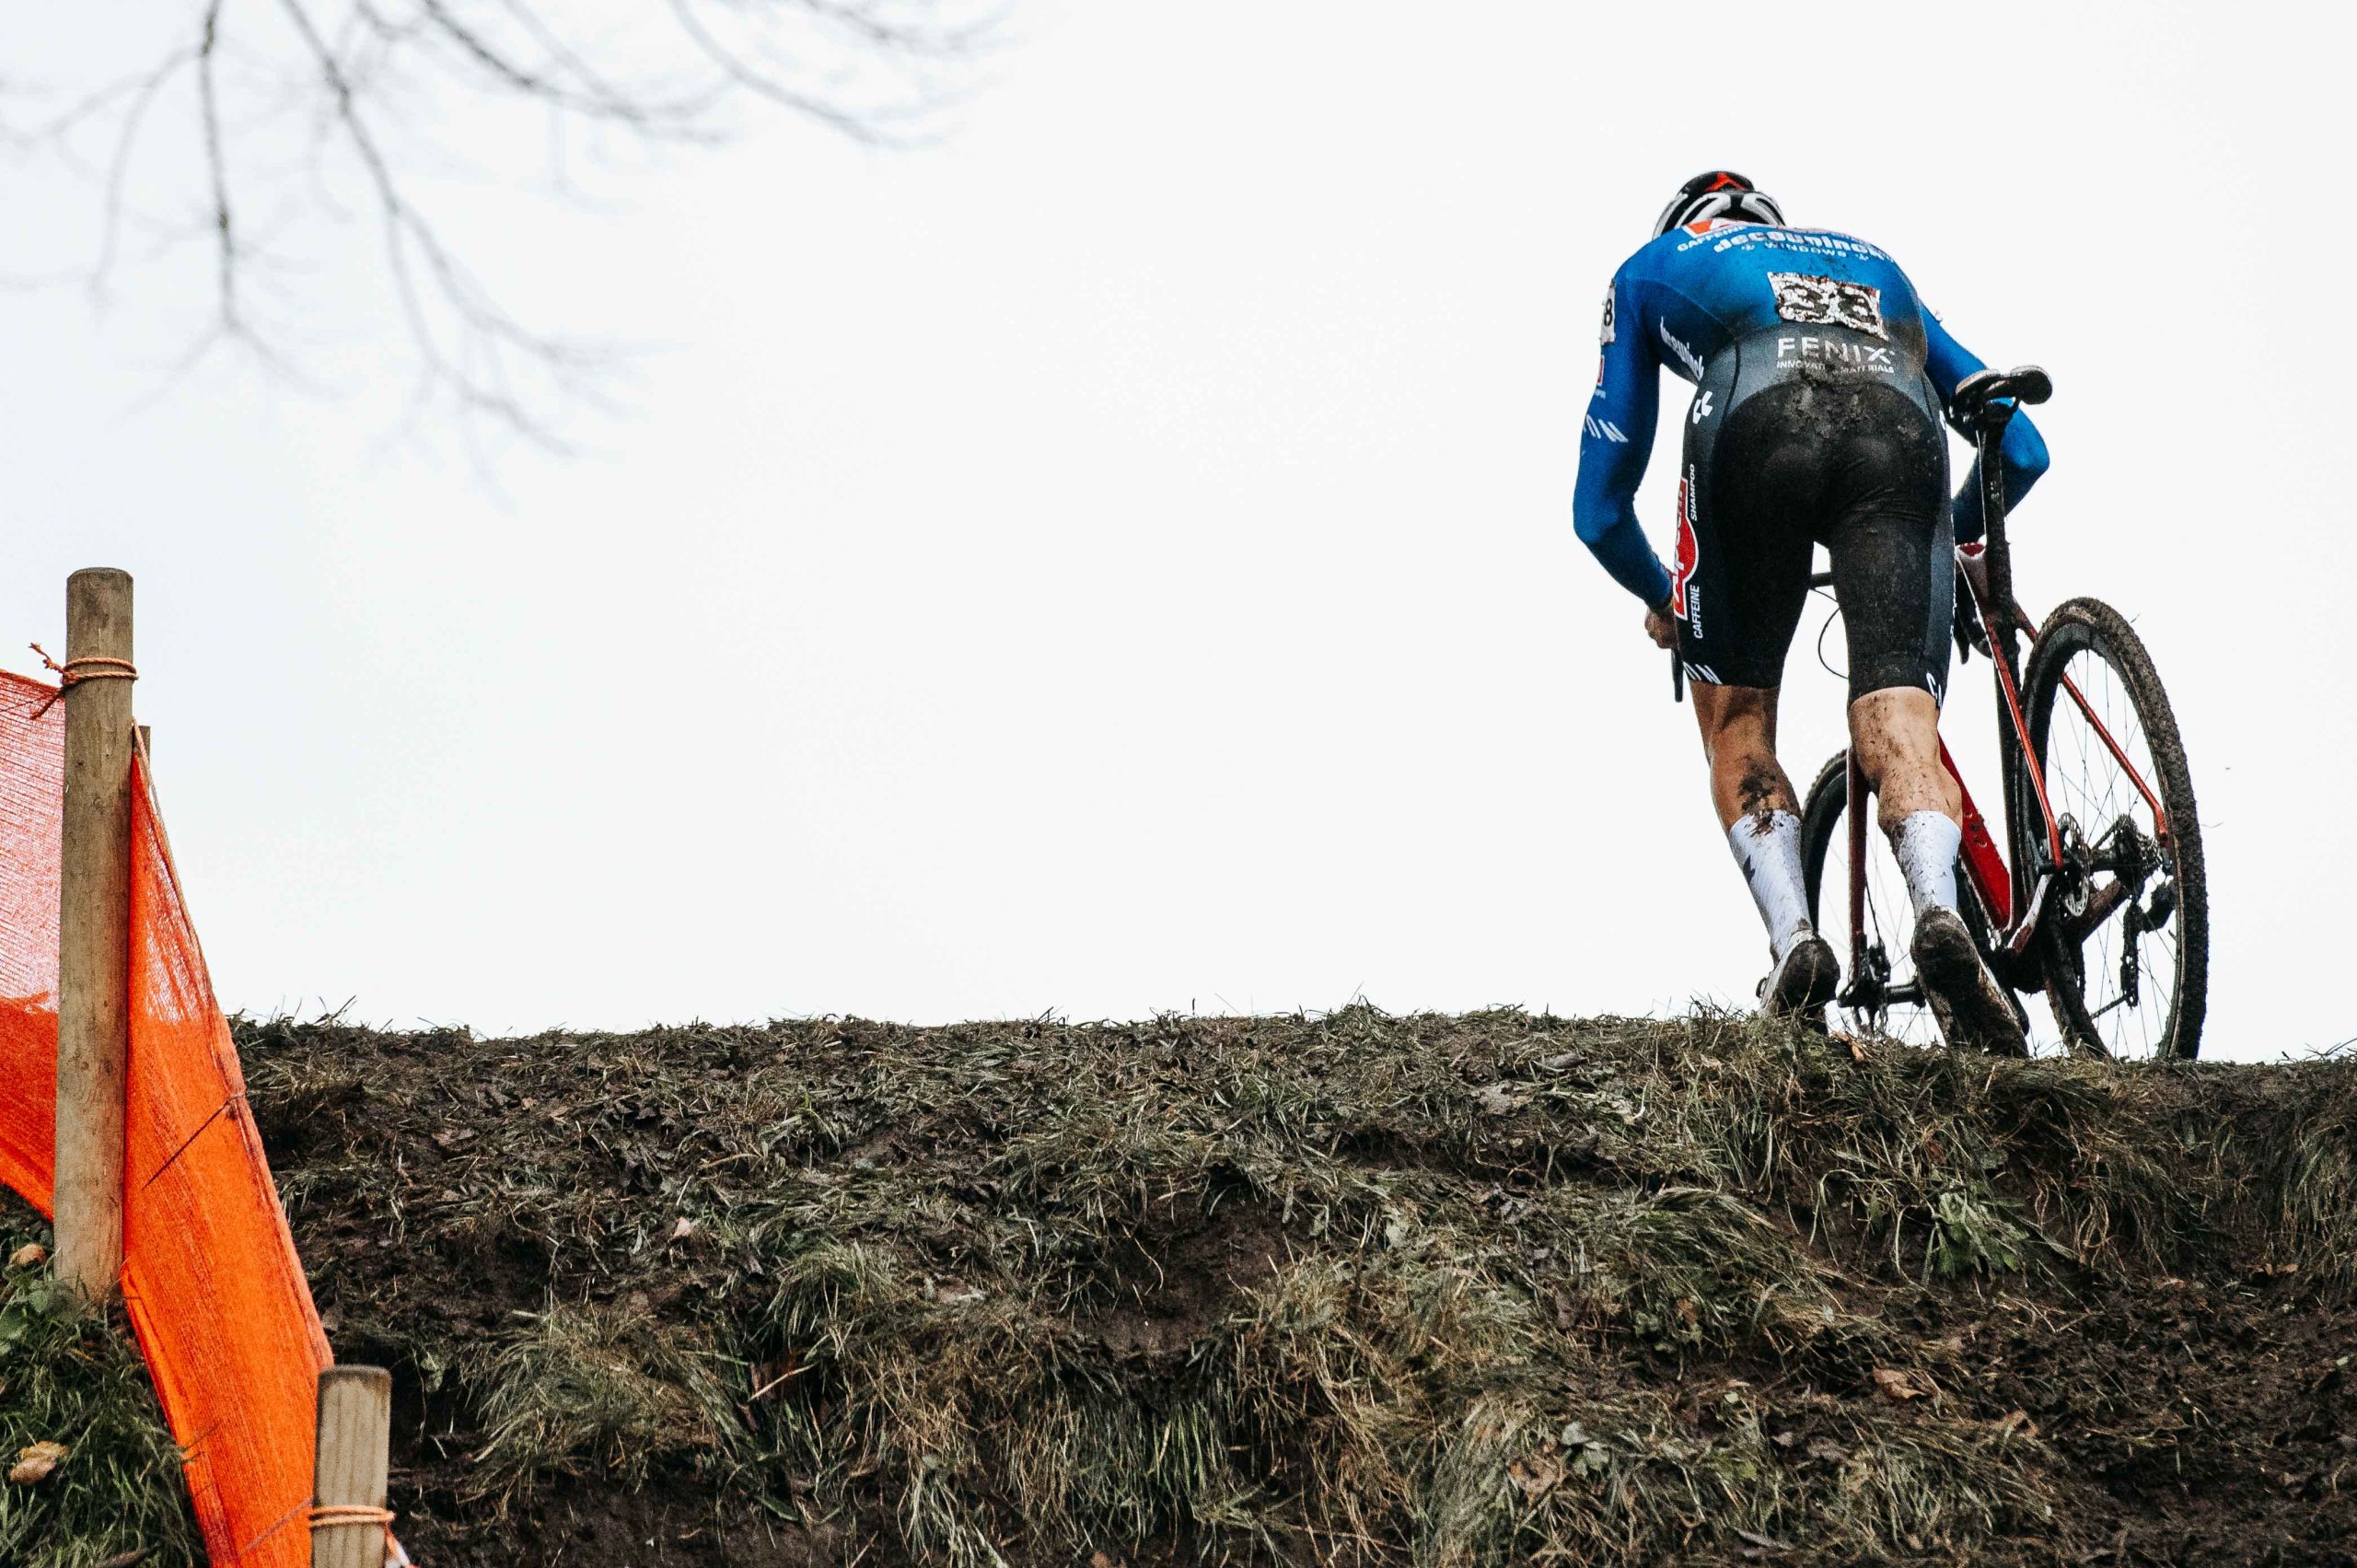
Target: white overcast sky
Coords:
[(1121, 558)]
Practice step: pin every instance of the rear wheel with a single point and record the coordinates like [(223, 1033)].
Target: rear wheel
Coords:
[(1880, 992), (2125, 941)]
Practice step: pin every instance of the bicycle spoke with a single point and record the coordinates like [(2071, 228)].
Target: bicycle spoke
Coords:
[(2128, 963), (1889, 927)]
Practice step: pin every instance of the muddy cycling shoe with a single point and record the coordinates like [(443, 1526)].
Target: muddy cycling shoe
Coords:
[(1971, 1006), (1803, 981)]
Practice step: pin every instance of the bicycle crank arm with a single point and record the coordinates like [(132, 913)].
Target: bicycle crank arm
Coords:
[(1878, 998), (2018, 943)]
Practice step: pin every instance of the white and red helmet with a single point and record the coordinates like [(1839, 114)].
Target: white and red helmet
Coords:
[(1718, 193)]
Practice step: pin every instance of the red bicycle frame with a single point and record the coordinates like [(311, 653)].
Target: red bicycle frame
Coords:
[(2013, 921)]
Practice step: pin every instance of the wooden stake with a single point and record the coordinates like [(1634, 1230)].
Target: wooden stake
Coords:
[(356, 1447), (94, 940)]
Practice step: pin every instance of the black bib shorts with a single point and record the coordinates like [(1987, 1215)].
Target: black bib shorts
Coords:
[(1805, 435)]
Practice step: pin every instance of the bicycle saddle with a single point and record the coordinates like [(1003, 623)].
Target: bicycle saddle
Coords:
[(1977, 392)]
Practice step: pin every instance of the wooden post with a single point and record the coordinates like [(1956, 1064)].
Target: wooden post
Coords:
[(355, 1449), (93, 939)]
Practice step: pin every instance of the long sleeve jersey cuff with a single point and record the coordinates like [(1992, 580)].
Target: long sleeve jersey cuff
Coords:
[(1625, 555)]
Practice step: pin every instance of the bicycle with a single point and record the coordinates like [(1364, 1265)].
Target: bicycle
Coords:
[(2103, 905)]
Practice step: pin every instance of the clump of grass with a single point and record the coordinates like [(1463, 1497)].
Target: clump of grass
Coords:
[(1974, 1231), (598, 1390), (1690, 1269), (990, 1402), (1936, 1484), (2316, 1208), (68, 1376)]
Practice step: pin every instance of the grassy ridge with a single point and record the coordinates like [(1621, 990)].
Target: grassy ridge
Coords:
[(1421, 1289), (1354, 1288)]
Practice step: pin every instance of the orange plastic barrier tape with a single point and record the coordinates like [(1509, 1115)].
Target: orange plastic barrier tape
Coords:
[(33, 798), (214, 1290)]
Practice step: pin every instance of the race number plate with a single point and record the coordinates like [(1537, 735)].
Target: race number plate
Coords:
[(1827, 302)]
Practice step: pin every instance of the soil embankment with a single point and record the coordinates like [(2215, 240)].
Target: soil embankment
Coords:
[(1348, 1289)]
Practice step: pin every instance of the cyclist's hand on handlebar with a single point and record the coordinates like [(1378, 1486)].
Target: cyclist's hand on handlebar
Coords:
[(1660, 627)]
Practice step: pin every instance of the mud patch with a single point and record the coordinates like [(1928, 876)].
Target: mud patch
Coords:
[(1168, 1292)]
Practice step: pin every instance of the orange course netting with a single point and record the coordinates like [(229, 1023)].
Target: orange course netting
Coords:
[(210, 1276)]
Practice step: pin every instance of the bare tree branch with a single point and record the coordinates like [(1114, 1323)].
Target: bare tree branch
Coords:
[(876, 71), (761, 84), (209, 98), (119, 167)]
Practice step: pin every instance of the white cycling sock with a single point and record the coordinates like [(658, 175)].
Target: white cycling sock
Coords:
[(1768, 847), (1926, 842)]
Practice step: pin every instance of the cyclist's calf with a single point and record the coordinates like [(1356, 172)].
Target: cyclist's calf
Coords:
[(1896, 733), (1739, 726)]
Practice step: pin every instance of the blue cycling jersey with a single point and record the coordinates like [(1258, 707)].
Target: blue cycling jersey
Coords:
[(1697, 290)]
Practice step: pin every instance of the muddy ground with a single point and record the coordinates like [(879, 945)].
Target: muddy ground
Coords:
[(1353, 1289)]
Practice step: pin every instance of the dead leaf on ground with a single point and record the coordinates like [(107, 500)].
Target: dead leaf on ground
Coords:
[(685, 1228), (452, 1137), (34, 1463), (1895, 1384), (1826, 1449), (1499, 1099), (131, 1558), (32, 1254), (1535, 1474), (2017, 1422), (1099, 1560)]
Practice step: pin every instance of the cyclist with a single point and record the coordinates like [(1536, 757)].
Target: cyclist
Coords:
[(1821, 382)]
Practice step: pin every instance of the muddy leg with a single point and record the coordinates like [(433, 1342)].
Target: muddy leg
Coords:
[(1738, 724), (1757, 807), (1897, 732), (1897, 735)]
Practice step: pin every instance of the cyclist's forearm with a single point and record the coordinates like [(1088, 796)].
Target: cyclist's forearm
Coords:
[(2023, 455), (1620, 545)]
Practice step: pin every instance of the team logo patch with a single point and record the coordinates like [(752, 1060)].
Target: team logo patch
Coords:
[(1689, 553), (1827, 302)]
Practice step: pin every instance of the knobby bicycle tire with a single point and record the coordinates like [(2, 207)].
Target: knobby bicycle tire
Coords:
[(2090, 626)]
